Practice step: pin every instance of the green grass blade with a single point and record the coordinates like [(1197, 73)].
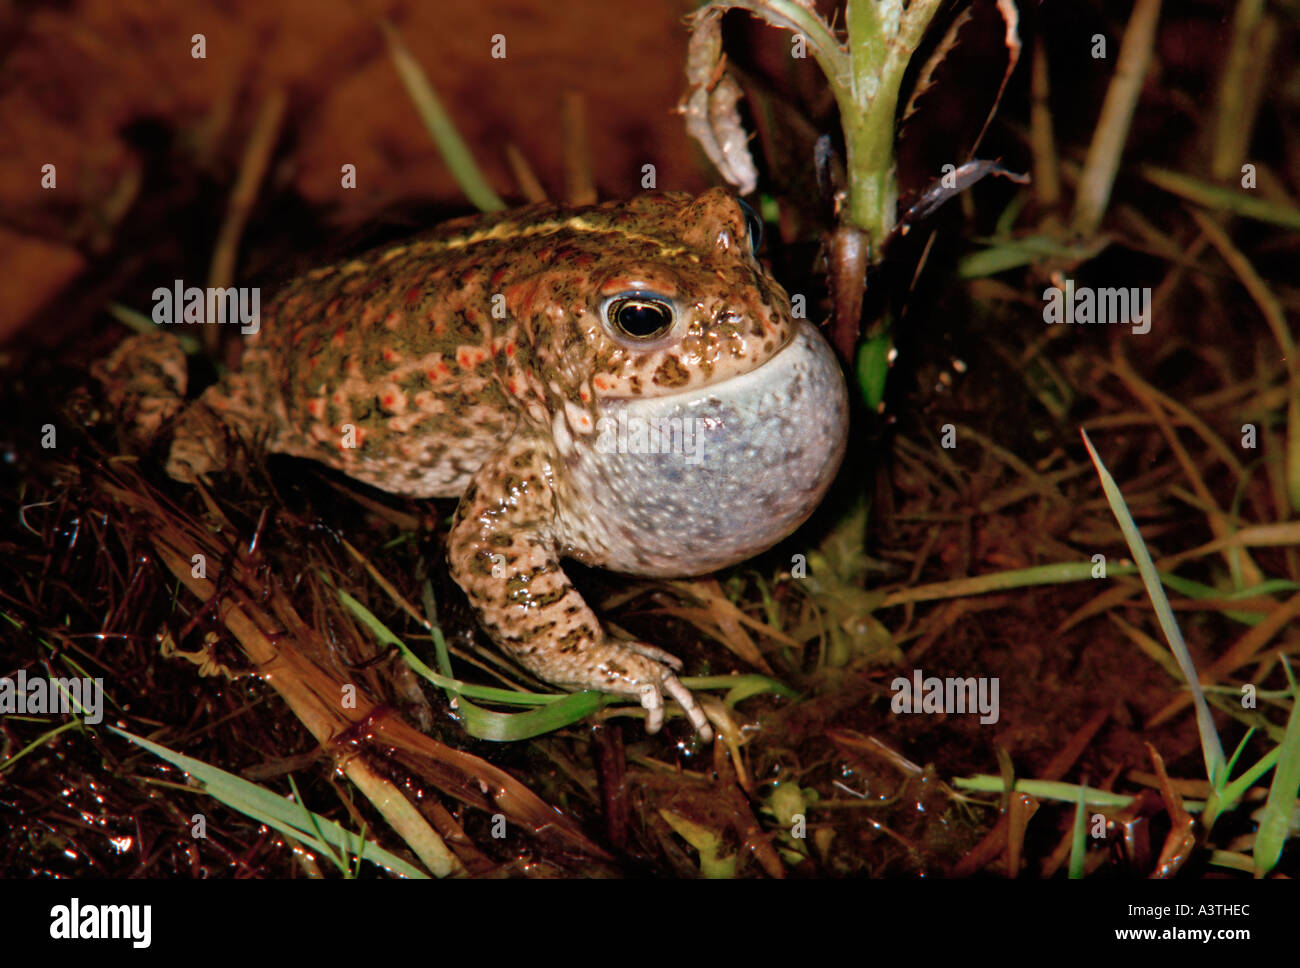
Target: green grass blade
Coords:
[(1234, 791), (1232, 861), (140, 323), (1211, 747), (873, 369), (1002, 254), (384, 635), (1048, 790), (1232, 760), (1198, 591), (740, 687), (508, 727), (291, 819), (1233, 200), (556, 710), (1275, 821), (440, 126), (1078, 843), (39, 741)]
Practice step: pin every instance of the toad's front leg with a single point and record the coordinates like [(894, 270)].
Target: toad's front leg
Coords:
[(505, 554)]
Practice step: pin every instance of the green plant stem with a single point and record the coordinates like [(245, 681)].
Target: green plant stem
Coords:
[(868, 109)]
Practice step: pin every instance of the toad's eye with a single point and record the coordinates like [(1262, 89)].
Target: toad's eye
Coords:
[(754, 224), (638, 316)]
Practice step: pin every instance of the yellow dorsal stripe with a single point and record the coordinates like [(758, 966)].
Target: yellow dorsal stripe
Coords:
[(514, 230)]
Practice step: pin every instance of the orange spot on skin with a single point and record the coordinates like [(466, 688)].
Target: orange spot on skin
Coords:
[(394, 320), (339, 337), (316, 407), (393, 400), (584, 396), (600, 383), (470, 356), (521, 296), (392, 356)]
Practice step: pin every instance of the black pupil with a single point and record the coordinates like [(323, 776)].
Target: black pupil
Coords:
[(641, 319)]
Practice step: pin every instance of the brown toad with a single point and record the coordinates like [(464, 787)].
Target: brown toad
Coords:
[(620, 384)]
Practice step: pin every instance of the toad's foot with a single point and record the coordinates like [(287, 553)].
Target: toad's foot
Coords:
[(504, 553), (635, 668), (144, 380), (208, 433)]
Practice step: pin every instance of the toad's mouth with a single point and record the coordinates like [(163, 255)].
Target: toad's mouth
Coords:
[(766, 373)]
